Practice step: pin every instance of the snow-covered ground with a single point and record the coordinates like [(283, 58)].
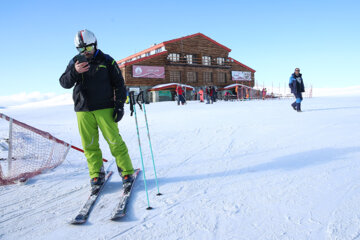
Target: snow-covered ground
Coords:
[(231, 170)]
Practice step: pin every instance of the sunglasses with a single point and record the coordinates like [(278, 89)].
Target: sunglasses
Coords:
[(88, 48), (297, 70)]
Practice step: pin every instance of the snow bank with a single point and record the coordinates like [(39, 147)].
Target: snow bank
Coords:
[(35, 99)]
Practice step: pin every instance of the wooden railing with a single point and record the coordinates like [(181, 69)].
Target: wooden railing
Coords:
[(198, 62)]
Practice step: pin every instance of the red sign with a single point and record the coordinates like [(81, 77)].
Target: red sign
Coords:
[(148, 72)]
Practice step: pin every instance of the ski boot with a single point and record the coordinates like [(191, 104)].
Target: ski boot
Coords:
[(127, 182), (126, 179), (294, 105), (97, 182)]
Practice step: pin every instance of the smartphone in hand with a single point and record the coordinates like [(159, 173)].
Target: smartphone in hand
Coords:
[(81, 58)]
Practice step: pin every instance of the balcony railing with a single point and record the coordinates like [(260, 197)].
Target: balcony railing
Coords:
[(198, 62)]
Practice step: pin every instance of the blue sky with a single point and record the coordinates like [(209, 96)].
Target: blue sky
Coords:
[(273, 37)]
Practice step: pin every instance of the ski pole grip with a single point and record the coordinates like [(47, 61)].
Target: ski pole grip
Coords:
[(132, 100), (138, 98)]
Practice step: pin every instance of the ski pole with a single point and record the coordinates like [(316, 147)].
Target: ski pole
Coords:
[(148, 134), (133, 109)]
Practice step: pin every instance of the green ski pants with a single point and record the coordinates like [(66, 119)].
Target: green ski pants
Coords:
[(88, 123)]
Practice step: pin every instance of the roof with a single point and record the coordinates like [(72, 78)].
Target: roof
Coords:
[(198, 34), (141, 59), (241, 64), (234, 86), (167, 42), (170, 86)]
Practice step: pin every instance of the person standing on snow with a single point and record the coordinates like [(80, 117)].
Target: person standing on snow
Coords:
[(296, 85), (211, 91), (237, 92), (208, 95), (201, 94), (194, 94), (214, 94), (99, 96), (180, 92), (264, 93)]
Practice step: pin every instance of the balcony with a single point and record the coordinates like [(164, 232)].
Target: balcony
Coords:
[(197, 62)]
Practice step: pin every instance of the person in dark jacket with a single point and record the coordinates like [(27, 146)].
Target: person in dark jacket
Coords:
[(296, 85), (214, 94), (211, 93), (207, 89), (99, 95)]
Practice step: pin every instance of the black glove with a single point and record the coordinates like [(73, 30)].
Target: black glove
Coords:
[(118, 112)]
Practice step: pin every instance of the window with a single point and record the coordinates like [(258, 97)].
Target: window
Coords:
[(221, 77), (189, 59), (158, 50), (207, 77), (175, 76), (174, 57), (220, 61), (147, 54), (206, 60), (191, 77)]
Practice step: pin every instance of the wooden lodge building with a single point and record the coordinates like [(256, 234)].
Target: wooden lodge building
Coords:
[(194, 60)]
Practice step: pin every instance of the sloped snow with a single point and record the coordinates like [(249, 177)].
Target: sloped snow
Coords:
[(231, 170)]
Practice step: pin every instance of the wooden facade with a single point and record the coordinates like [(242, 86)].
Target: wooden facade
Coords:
[(196, 60)]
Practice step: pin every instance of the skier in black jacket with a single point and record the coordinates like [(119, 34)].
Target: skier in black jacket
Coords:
[(99, 95), (296, 85)]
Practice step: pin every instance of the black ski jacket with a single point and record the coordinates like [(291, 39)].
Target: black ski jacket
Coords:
[(100, 87), (296, 84)]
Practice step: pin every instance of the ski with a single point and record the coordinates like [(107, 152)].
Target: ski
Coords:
[(88, 205), (120, 210)]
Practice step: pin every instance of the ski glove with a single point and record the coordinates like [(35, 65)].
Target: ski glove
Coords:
[(118, 112)]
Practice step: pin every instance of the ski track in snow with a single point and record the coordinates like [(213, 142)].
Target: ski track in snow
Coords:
[(231, 170)]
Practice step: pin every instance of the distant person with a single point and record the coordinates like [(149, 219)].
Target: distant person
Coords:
[(99, 95), (264, 93), (194, 94), (184, 95), (180, 95), (296, 85), (212, 94), (215, 94), (201, 94), (237, 92), (208, 95)]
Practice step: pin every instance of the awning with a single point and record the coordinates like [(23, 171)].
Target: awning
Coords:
[(170, 86), (233, 86)]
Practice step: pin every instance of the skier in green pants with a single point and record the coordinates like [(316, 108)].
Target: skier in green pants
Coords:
[(99, 95)]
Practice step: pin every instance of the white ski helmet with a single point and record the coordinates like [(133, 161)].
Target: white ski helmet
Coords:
[(84, 38)]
